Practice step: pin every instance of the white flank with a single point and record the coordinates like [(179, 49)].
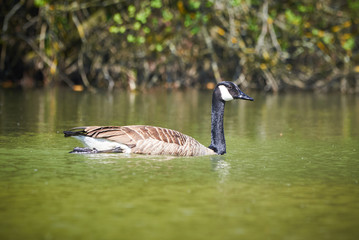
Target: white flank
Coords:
[(226, 96), (102, 144)]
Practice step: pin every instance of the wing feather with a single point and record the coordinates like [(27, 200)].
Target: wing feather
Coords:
[(132, 134)]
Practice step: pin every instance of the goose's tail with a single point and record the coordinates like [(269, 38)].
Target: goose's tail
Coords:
[(70, 133), (77, 132)]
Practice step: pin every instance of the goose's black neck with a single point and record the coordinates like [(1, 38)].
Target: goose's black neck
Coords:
[(218, 143)]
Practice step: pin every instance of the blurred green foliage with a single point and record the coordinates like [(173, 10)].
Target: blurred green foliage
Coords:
[(269, 45)]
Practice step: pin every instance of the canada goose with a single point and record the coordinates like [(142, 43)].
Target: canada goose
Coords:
[(142, 139)]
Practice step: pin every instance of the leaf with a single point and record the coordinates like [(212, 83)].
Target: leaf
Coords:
[(194, 4), (131, 38), (347, 24), (354, 5), (327, 38), (195, 30), (263, 66), (187, 21), (117, 18), (40, 3), (205, 18), (156, 3), (302, 8), (141, 40), (142, 16), (159, 47), (252, 25), (321, 33), (235, 3), (315, 31), (122, 29), (167, 15), (210, 3), (136, 25), (349, 44), (220, 31), (131, 10), (146, 30), (292, 18), (180, 7), (114, 29), (270, 20), (321, 46), (53, 67), (336, 29), (265, 55)]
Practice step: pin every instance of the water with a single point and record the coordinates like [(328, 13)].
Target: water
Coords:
[(291, 170)]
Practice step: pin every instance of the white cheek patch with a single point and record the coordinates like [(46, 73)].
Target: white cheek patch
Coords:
[(226, 96)]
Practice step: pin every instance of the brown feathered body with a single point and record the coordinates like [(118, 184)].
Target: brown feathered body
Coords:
[(143, 140)]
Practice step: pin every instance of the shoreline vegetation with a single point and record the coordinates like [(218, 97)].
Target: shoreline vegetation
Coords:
[(270, 46)]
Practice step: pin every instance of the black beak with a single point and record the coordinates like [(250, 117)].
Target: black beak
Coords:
[(243, 96)]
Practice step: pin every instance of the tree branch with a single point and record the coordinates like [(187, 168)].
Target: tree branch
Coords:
[(214, 64)]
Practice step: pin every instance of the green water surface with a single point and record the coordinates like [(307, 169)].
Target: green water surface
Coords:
[(291, 170)]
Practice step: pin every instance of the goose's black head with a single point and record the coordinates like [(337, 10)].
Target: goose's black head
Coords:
[(227, 91)]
